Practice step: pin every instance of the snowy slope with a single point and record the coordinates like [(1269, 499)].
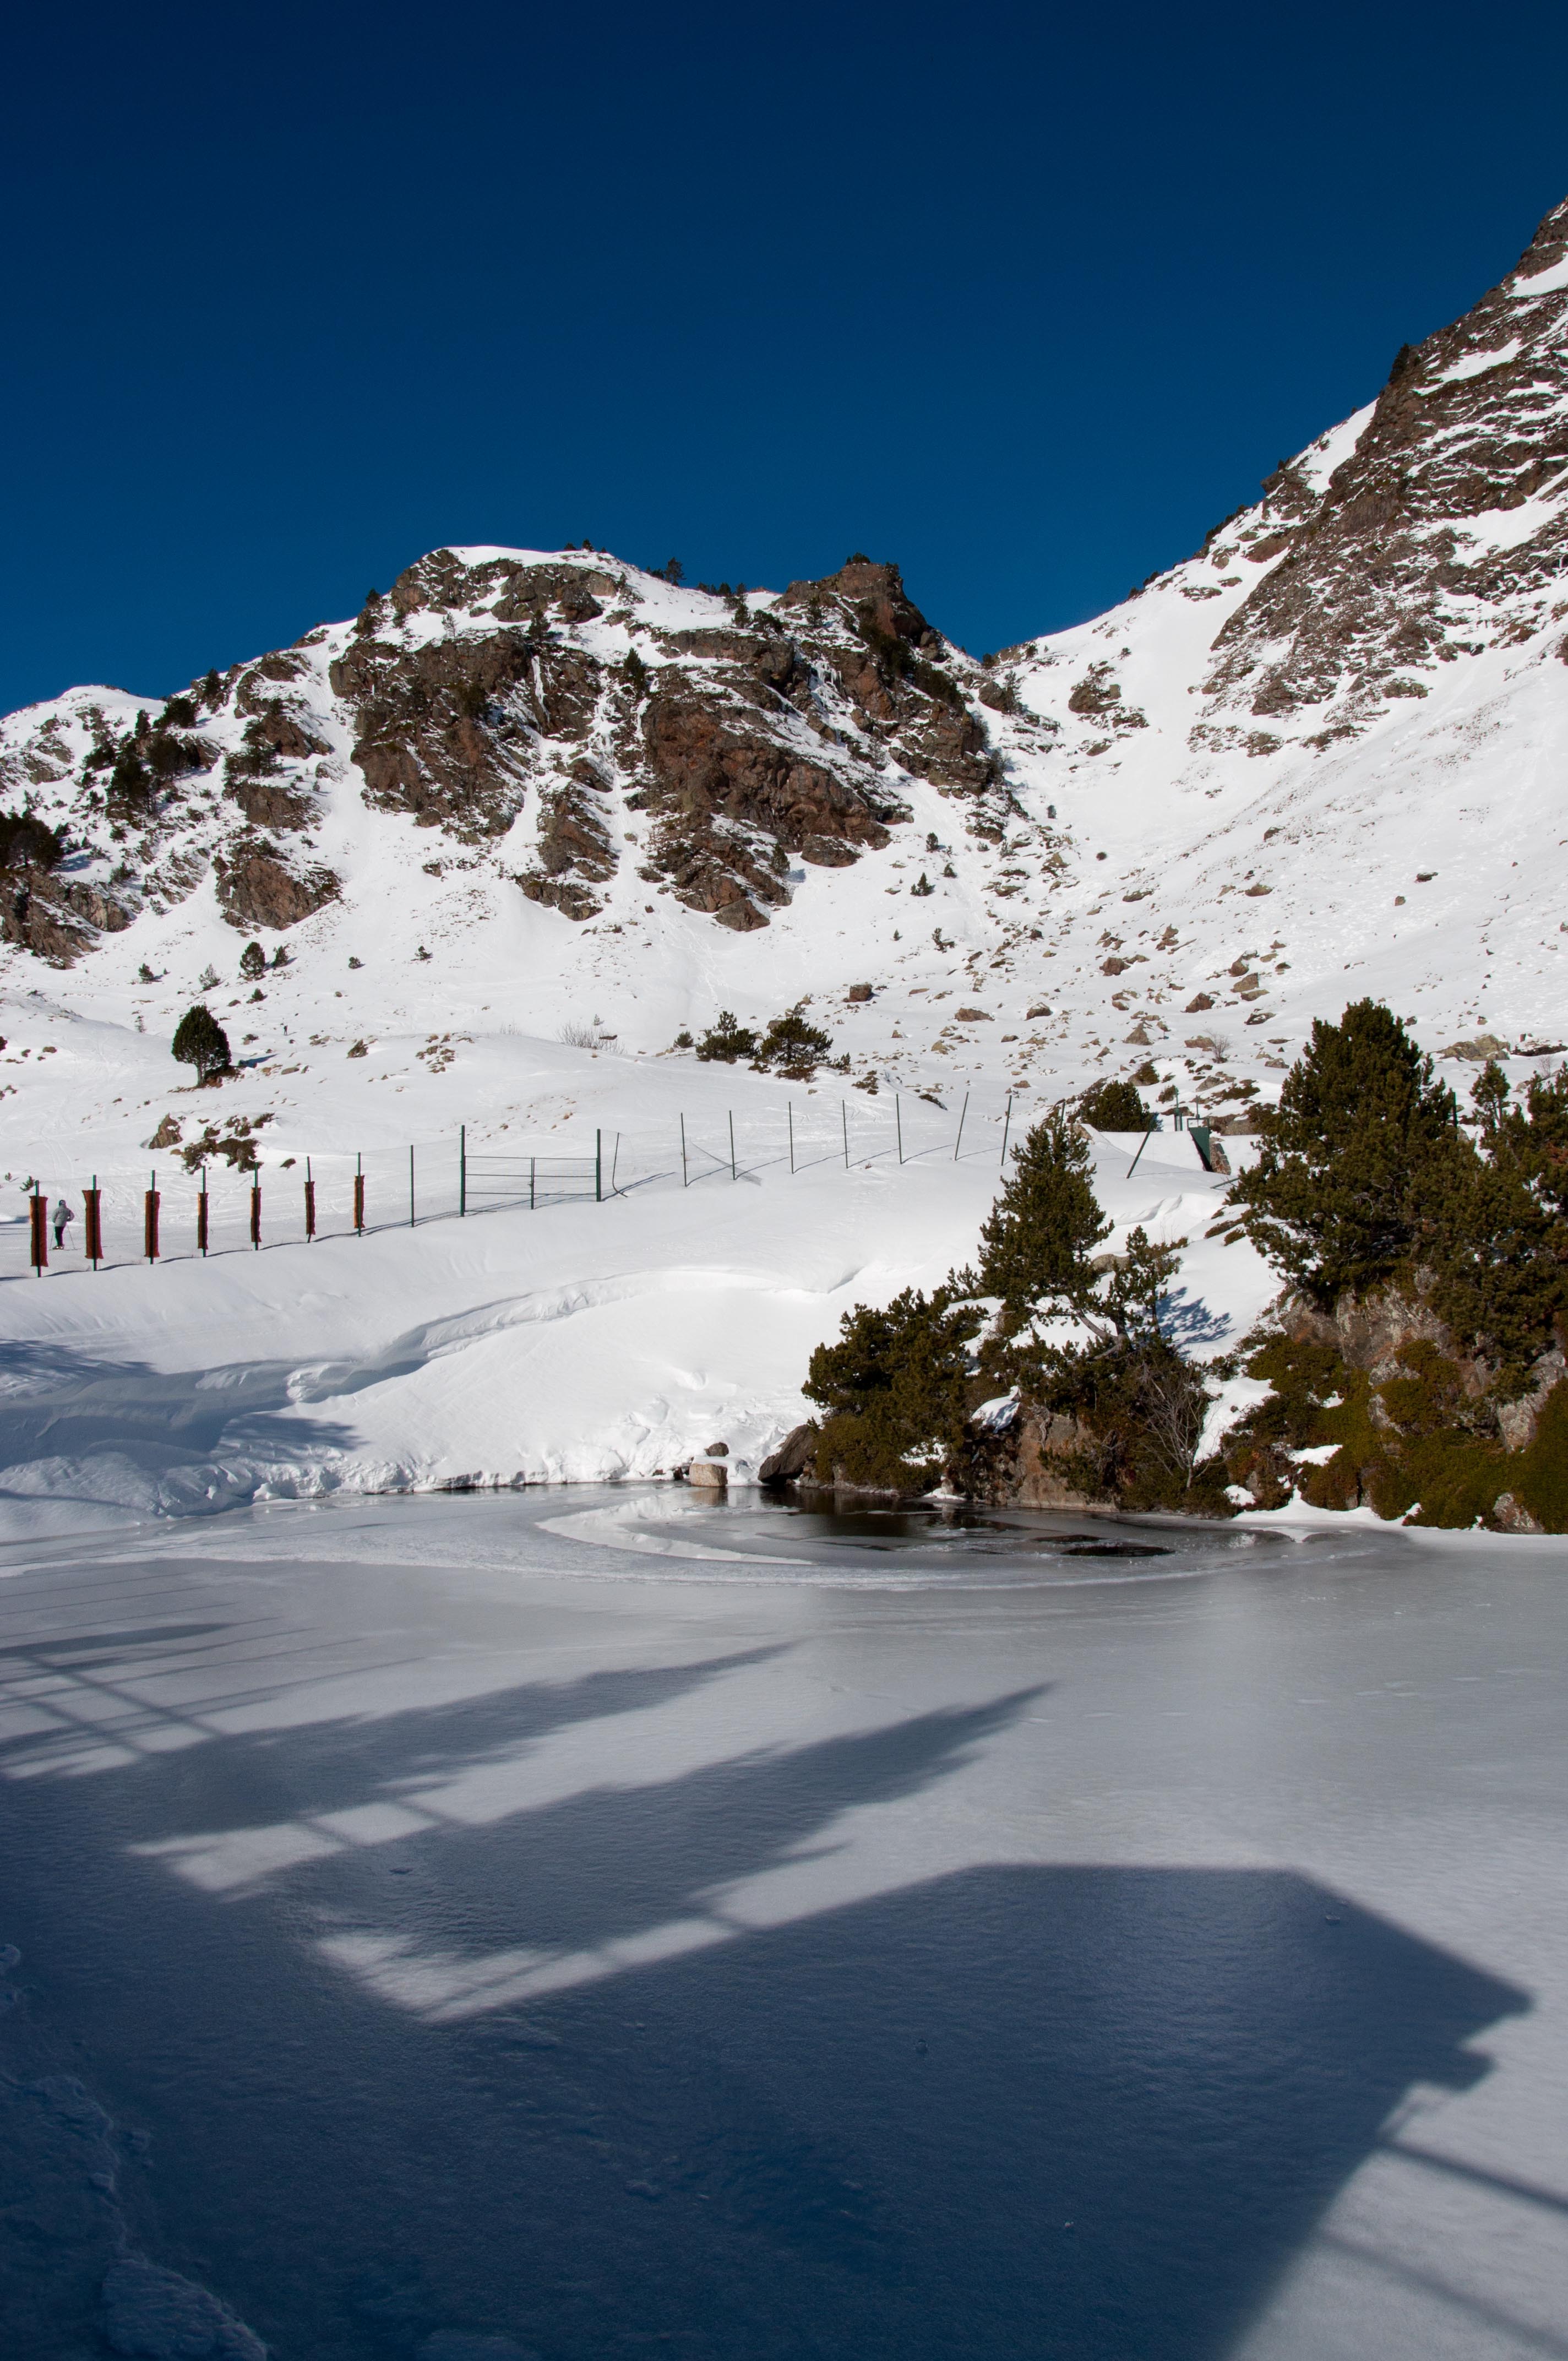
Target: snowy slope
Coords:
[(579, 1343), (1320, 759)]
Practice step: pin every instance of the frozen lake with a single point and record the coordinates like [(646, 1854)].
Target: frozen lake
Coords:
[(580, 1924)]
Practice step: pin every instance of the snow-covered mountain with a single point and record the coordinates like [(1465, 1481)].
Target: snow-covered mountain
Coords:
[(530, 816), (1321, 758)]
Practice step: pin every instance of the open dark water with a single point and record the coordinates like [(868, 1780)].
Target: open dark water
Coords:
[(584, 1925)]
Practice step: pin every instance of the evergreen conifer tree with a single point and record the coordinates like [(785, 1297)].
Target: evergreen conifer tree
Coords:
[(252, 961), (200, 1041), (791, 1045), (1335, 1198), (1114, 1106), (1038, 1239), (895, 1387), (726, 1041)]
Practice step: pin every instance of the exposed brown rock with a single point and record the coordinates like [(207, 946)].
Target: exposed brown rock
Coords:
[(444, 730), (270, 803), (1366, 579), (255, 888), (56, 916), (1047, 1448), (795, 1454), (574, 849), (1517, 1420)]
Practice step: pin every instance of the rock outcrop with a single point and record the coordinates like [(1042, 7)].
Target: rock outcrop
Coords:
[(256, 889), (1397, 561)]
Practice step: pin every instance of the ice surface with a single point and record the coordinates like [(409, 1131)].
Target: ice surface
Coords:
[(474, 1960)]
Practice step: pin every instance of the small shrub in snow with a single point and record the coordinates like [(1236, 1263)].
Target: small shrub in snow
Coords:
[(200, 1041), (726, 1041)]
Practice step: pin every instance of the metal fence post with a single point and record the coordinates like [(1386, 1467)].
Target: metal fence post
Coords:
[(462, 1169), (789, 1110), (532, 1179), (598, 1168), (959, 1141), (844, 1119), (732, 1145), (1006, 1120), (410, 1187), (898, 1127), (682, 1151)]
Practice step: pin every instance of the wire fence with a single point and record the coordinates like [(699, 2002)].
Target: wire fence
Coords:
[(162, 1212)]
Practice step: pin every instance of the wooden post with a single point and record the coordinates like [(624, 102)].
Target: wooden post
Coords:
[(410, 1187), (310, 1204), (682, 1151), (532, 1182), (598, 1168), (789, 1109), (462, 1169), (256, 1215), (844, 1119), (959, 1141), (1006, 1120), (92, 1222), (732, 1146), (38, 1209), (898, 1127), (358, 1194), (150, 1219), (201, 1215)]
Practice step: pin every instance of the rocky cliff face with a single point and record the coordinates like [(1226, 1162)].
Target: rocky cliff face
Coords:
[(485, 689), (1320, 759), (1442, 531)]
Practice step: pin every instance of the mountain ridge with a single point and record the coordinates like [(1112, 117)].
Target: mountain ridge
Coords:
[(1309, 762)]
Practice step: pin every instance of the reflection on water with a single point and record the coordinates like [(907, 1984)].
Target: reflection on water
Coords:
[(932, 1539), (951, 1526)]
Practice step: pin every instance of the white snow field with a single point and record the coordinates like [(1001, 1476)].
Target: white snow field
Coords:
[(1137, 878), (435, 1931), (580, 1342)]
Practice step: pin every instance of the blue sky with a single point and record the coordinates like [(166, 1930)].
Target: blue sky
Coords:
[(1026, 298)]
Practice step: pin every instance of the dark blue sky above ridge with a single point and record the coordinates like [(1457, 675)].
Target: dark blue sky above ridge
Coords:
[(1026, 298)]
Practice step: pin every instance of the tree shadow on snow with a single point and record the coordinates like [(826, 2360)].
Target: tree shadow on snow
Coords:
[(1086, 2113)]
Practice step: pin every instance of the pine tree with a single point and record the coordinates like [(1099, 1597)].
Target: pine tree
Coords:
[(792, 1045), (1114, 1106), (634, 672), (1335, 1196), (1036, 1242), (252, 962), (200, 1041), (1535, 1139), (1489, 1095), (895, 1388), (726, 1041)]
